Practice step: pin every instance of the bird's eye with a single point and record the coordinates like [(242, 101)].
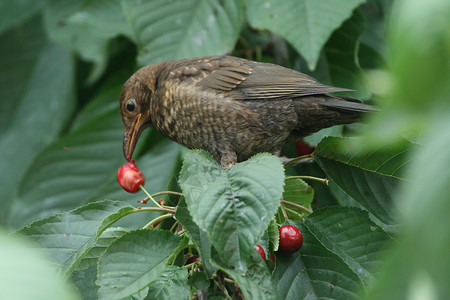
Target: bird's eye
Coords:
[(131, 105)]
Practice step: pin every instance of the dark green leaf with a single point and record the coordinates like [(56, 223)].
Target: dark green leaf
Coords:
[(13, 13), (370, 176), (133, 261), (90, 45), (246, 196), (167, 30), (255, 283), (198, 236), (66, 178), (299, 192), (171, 284), (36, 80), (314, 272), (349, 233), (306, 24), (68, 236), (199, 280)]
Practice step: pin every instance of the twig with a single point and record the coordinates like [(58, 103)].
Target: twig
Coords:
[(297, 159), (298, 206), (158, 219), (321, 180)]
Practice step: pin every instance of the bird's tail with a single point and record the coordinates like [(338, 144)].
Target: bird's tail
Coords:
[(347, 105)]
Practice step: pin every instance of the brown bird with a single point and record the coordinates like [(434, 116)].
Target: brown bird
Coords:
[(231, 107)]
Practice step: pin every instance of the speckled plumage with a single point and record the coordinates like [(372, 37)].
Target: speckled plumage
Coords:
[(230, 107)]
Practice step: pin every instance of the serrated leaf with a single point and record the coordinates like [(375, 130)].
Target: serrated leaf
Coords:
[(36, 79), (171, 284), (133, 261), (370, 176), (314, 272), (167, 30), (68, 236), (198, 236), (233, 206), (306, 24), (350, 233)]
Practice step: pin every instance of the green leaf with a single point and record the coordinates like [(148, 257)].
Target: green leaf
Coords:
[(167, 30), (171, 284), (349, 233), (14, 13), (62, 179), (233, 206), (90, 45), (255, 283), (25, 273), (198, 236), (298, 191), (370, 176), (68, 236), (105, 239), (314, 272), (306, 24), (199, 280), (274, 235), (36, 80), (341, 59), (133, 261)]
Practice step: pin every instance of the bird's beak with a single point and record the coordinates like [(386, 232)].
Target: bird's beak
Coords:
[(131, 137)]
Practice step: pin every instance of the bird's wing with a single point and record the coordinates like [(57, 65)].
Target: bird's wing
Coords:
[(246, 80)]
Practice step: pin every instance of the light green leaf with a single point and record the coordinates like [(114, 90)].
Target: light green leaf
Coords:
[(314, 273), (370, 176), (36, 80), (68, 236), (306, 24), (26, 274), (246, 196), (298, 191), (171, 284), (349, 233), (133, 261)]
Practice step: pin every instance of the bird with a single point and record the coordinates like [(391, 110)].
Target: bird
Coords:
[(230, 107)]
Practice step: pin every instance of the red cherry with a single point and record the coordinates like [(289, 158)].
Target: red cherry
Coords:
[(192, 259), (291, 239), (130, 177), (261, 251), (303, 148)]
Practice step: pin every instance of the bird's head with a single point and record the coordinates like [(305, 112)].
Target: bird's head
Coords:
[(135, 100)]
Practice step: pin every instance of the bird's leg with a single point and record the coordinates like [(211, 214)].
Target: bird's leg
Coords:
[(227, 159)]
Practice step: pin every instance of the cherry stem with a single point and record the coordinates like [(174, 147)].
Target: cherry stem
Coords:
[(284, 211), (294, 212), (158, 219), (321, 180), (297, 159), (150, 196), (297, 205), (167, 193), (152, 208)]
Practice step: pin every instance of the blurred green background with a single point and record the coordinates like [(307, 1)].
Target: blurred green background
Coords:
[(62, 64)]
